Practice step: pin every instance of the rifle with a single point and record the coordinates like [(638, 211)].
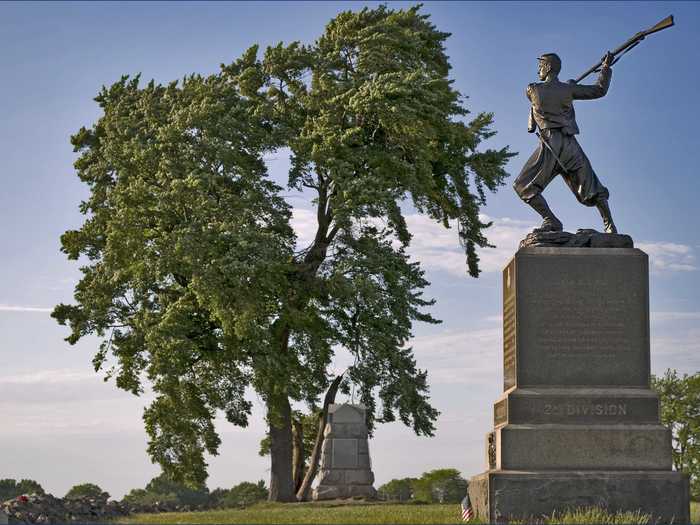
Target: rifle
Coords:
[(627, 46)]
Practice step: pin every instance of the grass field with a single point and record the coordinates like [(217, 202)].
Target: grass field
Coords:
[(312, 513), (332, 513)]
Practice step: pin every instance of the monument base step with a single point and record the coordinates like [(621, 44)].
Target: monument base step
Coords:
[(577, 405), (583, 447), (502, 495), (325, 492)]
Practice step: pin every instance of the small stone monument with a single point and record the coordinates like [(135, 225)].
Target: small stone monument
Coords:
[(346, 470), (4, 518), (577, 424)]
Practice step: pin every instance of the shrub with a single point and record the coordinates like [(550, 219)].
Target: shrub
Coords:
[(245, 494), (161, 493), (184, 495), (9, 488), (86, 490), (440, 486), (216, 498), (397, 490), (142, 499)]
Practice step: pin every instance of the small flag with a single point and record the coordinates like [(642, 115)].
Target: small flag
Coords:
[(467, 512)]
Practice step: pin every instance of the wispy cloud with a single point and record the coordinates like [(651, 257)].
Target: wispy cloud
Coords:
[(675, 316), (18, 308), (460, 357), (669, 256), (43, 377), (679, 350), (66, 401), (304, 224), (438, 247)]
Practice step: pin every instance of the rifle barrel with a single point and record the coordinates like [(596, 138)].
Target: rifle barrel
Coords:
[(663, 24)]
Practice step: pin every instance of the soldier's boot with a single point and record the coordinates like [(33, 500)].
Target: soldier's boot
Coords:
[(550, 223), (604, 209)]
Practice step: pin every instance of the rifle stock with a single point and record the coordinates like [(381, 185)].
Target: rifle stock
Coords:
[(659, 26)]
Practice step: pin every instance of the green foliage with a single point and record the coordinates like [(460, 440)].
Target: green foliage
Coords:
[(184, 239), (87, 490), (140, 498), (184, 495), (10, 488), (397, 490), (190, 272), (245, 494), (680, 411), (162, 490), (440, 486)]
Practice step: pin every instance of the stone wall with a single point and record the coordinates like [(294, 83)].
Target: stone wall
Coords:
[(45, 508)]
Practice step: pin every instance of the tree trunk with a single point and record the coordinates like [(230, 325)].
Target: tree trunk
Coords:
[(281, 486), (298, 455), (305, 488)]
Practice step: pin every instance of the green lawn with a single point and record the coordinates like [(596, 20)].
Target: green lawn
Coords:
[(332, 513), (312, 513)]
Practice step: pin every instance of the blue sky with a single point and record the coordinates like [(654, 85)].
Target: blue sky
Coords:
[(62, 425)]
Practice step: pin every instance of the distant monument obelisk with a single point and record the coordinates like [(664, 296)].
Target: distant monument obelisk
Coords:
[(346, 469)]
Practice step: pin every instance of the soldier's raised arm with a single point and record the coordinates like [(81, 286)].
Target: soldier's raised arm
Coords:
[(600, 88)]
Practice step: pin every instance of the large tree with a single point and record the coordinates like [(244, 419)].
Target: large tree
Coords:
[(192, 276)]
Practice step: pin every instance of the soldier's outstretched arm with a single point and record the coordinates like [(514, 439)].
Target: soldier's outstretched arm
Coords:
[(600, 88)]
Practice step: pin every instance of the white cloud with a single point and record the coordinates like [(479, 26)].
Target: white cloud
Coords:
[(304, 224), (43, 377), (59, 391), (438, 248), (679, 350), (66, 401), (460, 357), (16, 308), (675, 316), (668, 256)]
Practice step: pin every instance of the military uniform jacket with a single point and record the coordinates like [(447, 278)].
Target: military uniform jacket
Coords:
[(552, 102)]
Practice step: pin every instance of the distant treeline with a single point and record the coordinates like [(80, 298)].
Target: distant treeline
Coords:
[(437, 486), (159, 494)]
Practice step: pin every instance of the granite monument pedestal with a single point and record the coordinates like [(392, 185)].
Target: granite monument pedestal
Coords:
[(577, 424)]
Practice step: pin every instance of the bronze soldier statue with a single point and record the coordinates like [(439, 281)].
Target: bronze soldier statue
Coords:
[(559, 153)]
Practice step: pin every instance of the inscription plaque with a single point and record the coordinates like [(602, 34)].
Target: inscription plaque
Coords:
[(344, 453), (580, 318), (509, 332)]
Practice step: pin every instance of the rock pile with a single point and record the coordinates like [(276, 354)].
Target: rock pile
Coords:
[(45, 508)]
